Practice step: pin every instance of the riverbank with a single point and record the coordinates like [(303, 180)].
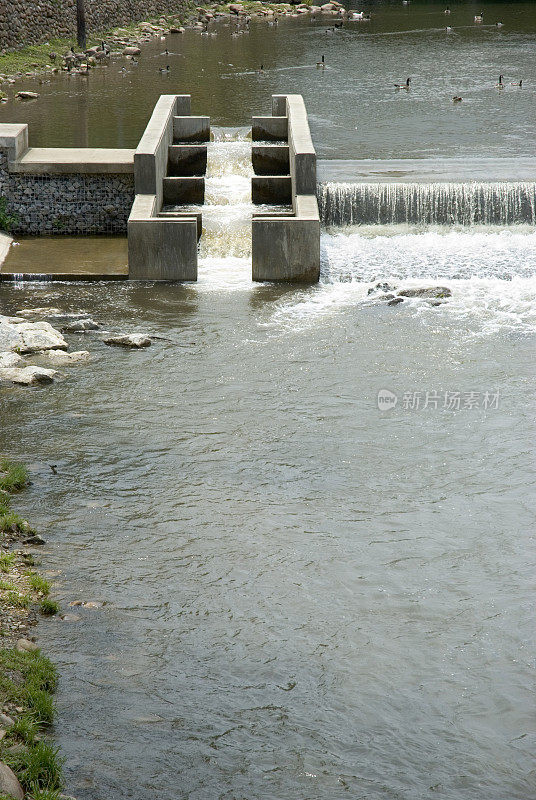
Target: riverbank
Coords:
[(37, 60), (30, 766)]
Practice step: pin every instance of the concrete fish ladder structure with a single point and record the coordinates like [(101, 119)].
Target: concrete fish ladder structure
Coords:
[(148, 193)]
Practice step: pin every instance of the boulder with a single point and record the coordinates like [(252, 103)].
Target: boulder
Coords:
[(27, 95), (27, 376), (381, 287), (10, 360), (38, 312), (30, 337), (9, 784), (61, 358), (235, 8), (128, 340), (6, 721), (395, 301), (26, 646), (80, 326), (131, 51), (434, 292), (327, 7)]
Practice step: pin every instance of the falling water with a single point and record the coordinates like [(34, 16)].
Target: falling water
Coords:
[(502, 203)]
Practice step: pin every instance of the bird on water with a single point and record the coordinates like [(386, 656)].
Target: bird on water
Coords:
[(321, 63), (405, 85)]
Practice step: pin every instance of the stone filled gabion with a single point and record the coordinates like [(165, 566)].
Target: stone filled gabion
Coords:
[(67, 204), (27, 22)]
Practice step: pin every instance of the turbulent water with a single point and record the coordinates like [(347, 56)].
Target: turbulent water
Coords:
[(488, 203), (305, 595)]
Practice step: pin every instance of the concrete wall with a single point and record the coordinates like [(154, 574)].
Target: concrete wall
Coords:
[(30, 21), (286, 247)]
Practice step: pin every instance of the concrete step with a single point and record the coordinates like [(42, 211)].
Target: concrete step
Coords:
[(191, 129), (184, 191), (187, 159), (185, 215), (272, 189), (271, 159)]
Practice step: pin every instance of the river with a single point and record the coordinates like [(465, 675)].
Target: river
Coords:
[(305, 595)]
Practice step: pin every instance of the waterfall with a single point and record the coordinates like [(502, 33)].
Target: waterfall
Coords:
[(499, 203), (227, 210)]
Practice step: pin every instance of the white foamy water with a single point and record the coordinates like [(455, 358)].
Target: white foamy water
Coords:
[(490, 271)]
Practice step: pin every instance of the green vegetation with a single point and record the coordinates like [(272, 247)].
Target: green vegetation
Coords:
[(39, 767), (6, 562), (7, 220), (13, 476), (18, 600), (38, 583), (48, 607)]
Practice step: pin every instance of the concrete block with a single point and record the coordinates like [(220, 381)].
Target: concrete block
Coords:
[(191, 129), (184, 191), (162, 249), (187, 159), (269, 129), (271, 159), (271, 189)]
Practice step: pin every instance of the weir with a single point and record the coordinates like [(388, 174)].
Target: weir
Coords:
[(157, 193)]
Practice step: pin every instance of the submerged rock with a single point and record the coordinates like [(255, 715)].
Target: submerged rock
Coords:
[(38, 312), (381, 287), (9, 784), (27, 376), (61, 358), (395, 301), (131, 51), (128, 340), (435, 292), (27, 95), (80, 326)]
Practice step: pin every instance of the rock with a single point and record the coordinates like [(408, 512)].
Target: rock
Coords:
[(395, 301), (38, 312), (27, 95), (6, 721), (92, 604), (80, 326), (10, 360), (131, 51), (29, 337), (435, 292), (128, 340), (327, 7), (27, 376), (381, 287), (236, 8), (61, 358), (34, 539), (26, 646), (9, 784), (71, 618)]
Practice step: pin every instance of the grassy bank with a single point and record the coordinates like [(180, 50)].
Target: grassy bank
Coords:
[(27, 678)]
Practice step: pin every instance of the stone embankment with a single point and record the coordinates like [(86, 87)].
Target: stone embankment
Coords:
[(127, 41)]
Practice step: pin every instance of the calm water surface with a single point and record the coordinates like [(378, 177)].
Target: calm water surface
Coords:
[(305, 597), (353, 107)]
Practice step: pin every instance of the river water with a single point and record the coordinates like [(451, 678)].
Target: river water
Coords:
[(305, 596)]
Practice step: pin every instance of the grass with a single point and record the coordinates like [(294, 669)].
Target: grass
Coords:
[(48, 607), (25, 729), (13, 476), (6, 561), (45, 794), (38, 768), (38, 583), (18, 600)]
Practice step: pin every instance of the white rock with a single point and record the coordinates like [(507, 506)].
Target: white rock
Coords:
[(128, 340), (27, 376), (25, 645), (60, 357), (9, 360), (9, 784), (131, 51), (6, 721), (27, 95), (40, 336), (38, 312), (80, 326)]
